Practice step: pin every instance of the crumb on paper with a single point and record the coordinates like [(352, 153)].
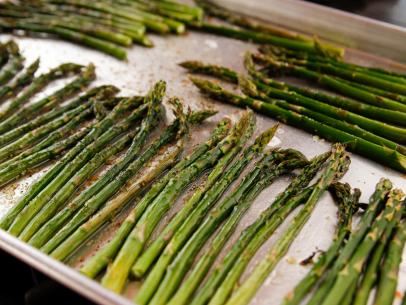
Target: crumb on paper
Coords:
[(318, 139), (212, 44), (291, 260), (274, 142)]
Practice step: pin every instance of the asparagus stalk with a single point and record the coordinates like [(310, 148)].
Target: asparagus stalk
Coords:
[(352, 269), (17, 132), (389, 271), (49, 102), (102, 258), (355, 76), (336, 168), (175, 6), (37, 85), (347, 206), (375, 205), (250, 89), (370, 275), (380, 154), (116, 276), (52, 232), (30, 138), (218, 11), (68, 34), (22, 163), (105, 214), (97, 129), (155, 248), (283, 204), (241, 34), (132, 15), (67, 190), (391, 132), (109, 211), (183, 259), (333, 83), (197, 274), (22, 81), (203, 265), (14, 63), (78, 162)]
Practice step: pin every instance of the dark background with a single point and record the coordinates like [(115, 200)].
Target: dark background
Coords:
[(20, 284)]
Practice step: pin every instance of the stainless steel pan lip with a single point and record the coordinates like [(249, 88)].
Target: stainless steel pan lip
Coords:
[(60, 272)]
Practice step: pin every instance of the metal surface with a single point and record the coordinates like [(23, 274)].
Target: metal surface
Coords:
[(144, 67)]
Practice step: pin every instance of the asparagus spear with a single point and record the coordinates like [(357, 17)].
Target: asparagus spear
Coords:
[(283, 204), (347, 202), (78, 162), (241, 34), (101, 259), (184, 258), (20, 164), (109, 211), (71, 35), (375, 205), (218, 11), (30, 138), (22, 81), (116, 276), (49, 102), (154, 249), (132, 15), (250, 89), (14, 63), (391, 132), (12, 135), (67, 190), (260, 79), (355, 76), (97, 129), (350, 272), (105, 214), (37, 85), (370, 274), (380, 154), (336, 168), (53, 232), (333, 83), (389, 271), (197, 274)]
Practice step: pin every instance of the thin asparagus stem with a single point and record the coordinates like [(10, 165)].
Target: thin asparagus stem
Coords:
[(333, 83), (183, 259), (381, 154), (116, 275), (54, 232), (155, 248), (376, 202), (77, 85), (347, 202), (37, 85), (350, 272), (14, 64), (336, 168), (108, 252), (97, 129), (116, 204), (283, 204), (386, 290), (20, 82)]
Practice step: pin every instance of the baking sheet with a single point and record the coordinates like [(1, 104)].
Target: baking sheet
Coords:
[(146, 66)]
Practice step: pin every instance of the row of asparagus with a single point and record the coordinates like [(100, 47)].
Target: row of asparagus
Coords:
[(68, 205), (371, 125), (109, 26)]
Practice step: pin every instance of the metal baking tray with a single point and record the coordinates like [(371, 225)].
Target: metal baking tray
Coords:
[(145, 66)]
